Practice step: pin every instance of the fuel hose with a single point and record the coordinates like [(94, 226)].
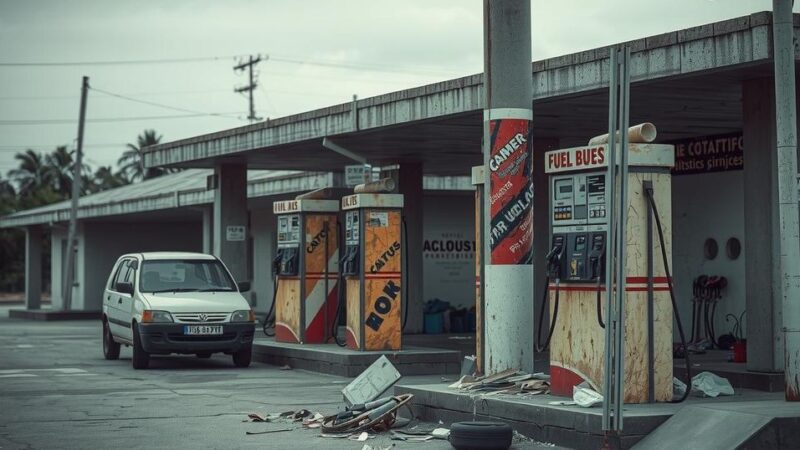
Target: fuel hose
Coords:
[(652, 201), (340, 291), (539, 346)]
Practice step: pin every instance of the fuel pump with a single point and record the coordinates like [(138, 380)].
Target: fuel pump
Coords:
[(372, 270), (576, 271), (306, 267)]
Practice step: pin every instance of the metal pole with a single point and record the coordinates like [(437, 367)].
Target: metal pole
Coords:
[(76, 193), (789, 228), (610, 193), (619, 355), (508, 193)]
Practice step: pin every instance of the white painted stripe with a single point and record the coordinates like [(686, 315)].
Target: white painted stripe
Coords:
[(18, 375), (507, 113)]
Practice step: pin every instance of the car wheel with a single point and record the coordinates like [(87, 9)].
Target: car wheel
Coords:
[(205, 355), (141, 359), (243, 357), (480, 435), (110, 348)]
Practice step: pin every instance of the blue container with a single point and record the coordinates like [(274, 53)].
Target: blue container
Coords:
[(434, 323)]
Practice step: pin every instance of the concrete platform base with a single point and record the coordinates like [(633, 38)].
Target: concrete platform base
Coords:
[(336, 360), (581, 428), (52, 315)]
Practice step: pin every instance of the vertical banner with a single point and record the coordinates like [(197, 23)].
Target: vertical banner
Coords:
[(510, 192)]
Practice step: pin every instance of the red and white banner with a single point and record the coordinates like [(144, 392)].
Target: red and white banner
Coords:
[(510, 191)]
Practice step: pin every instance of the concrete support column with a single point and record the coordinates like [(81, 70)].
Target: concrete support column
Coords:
[(230, 218), (541, 224), (208, 229), (410, 185), (764, 335), (33, 267), (508, 281)]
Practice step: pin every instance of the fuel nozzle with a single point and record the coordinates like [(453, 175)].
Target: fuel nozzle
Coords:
[(554, 256)]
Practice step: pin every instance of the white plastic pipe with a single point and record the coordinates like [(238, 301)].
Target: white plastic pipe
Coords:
[(637, 134)]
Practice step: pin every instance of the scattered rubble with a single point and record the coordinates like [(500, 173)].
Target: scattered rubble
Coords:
[(511, 381)]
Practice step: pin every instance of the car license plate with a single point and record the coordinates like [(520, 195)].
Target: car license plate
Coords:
[(202, 329)]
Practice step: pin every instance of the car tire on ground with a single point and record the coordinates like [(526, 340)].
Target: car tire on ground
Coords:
[(480, 435), (110, 348), (204, 355), (141, 359), (243, 357)]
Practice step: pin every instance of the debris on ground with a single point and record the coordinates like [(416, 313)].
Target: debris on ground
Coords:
[(469, 365), (707, 384), (285, 367), (585, 396), (371, 383), (510, 381), (704, 384)]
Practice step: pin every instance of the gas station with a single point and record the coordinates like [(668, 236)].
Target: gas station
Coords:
[(701, 200)]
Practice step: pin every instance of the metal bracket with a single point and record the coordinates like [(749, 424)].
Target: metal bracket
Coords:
[(329, 144)]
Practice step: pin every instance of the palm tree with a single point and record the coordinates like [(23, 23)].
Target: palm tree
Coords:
[(131, 163), (60, 167), (32, 173), (105, 178)]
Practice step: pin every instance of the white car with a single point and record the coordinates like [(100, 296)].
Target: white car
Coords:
[(170, 302)]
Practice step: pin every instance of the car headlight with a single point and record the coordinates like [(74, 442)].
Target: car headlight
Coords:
[(150, 316), (245, 315)]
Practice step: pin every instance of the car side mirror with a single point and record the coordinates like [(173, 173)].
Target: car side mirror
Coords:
[(125, 287), (243, 286)]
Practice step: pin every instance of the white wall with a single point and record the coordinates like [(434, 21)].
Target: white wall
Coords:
[(705, 206), (101, 243), (449, 220), (262, 229)]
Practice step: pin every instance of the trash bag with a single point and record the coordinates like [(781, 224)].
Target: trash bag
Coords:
[(709, 385), (586, 397)]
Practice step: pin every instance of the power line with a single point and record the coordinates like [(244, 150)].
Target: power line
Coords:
[(282, 59), (112, 62), (160, 105), (100, 120)]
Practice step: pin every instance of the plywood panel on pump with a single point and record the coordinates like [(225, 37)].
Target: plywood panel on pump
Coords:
[(382, 280), (320, 304), (577, 349), (287, 310), (354, 313)]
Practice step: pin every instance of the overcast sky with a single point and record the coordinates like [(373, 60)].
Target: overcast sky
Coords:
[(362, 47)]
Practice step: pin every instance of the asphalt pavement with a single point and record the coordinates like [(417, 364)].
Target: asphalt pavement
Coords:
[(57, 391)]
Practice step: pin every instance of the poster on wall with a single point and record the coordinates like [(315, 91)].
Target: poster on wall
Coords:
[(708, 154), (511, 191), (449, 263)]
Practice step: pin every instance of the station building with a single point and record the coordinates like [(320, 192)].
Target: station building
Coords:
[(708, 89)]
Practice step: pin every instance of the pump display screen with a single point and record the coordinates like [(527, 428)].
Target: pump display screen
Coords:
[(288, 230)]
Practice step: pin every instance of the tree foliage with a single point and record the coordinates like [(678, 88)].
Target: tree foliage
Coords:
[(44, 178)]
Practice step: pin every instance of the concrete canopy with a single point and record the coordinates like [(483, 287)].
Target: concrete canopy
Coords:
[(687, 82)]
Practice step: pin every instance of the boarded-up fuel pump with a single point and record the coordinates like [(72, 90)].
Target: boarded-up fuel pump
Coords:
[(306, 267), (373, 270)]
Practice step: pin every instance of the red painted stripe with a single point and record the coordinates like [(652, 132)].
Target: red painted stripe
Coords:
[(645, 280), (594, 288)]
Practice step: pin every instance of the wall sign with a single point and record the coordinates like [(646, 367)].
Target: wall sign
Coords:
[(706, 154), (235, 233), (511, 191), (357, 174)]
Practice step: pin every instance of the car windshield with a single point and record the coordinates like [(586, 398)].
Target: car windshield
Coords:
[(200, 275)]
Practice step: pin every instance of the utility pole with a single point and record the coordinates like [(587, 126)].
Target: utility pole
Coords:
[(508, 196), (251, 86), (76, 194)]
